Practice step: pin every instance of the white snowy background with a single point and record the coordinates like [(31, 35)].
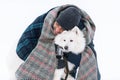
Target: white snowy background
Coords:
[(16, 15)]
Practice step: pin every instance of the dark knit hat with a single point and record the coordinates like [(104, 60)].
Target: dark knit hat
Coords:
[(69, 18)]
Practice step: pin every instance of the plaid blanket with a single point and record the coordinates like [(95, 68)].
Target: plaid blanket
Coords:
[(41, 63)]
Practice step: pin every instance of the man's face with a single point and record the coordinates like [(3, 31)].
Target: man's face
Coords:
[(57, 28)]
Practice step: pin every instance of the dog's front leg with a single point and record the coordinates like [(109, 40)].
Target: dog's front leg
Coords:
[(70, 66), (58, 73)]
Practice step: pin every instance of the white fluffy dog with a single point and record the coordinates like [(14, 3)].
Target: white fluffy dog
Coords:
[(69, 41)]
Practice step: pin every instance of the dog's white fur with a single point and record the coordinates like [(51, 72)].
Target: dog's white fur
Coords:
[(75, 42)]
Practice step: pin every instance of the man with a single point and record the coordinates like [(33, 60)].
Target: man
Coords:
[(37, 49)]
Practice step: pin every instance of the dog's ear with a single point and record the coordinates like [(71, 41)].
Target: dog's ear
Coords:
[(77, 31)]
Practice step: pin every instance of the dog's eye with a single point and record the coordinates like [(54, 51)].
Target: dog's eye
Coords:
[(64, 40), (71, 40)]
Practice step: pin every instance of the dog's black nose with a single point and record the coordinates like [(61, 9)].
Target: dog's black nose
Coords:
[(66, 47)]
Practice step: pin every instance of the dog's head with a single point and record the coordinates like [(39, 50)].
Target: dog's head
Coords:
[(71, 41)]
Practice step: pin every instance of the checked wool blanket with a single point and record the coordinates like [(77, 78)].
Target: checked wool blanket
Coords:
[(41, 63)]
